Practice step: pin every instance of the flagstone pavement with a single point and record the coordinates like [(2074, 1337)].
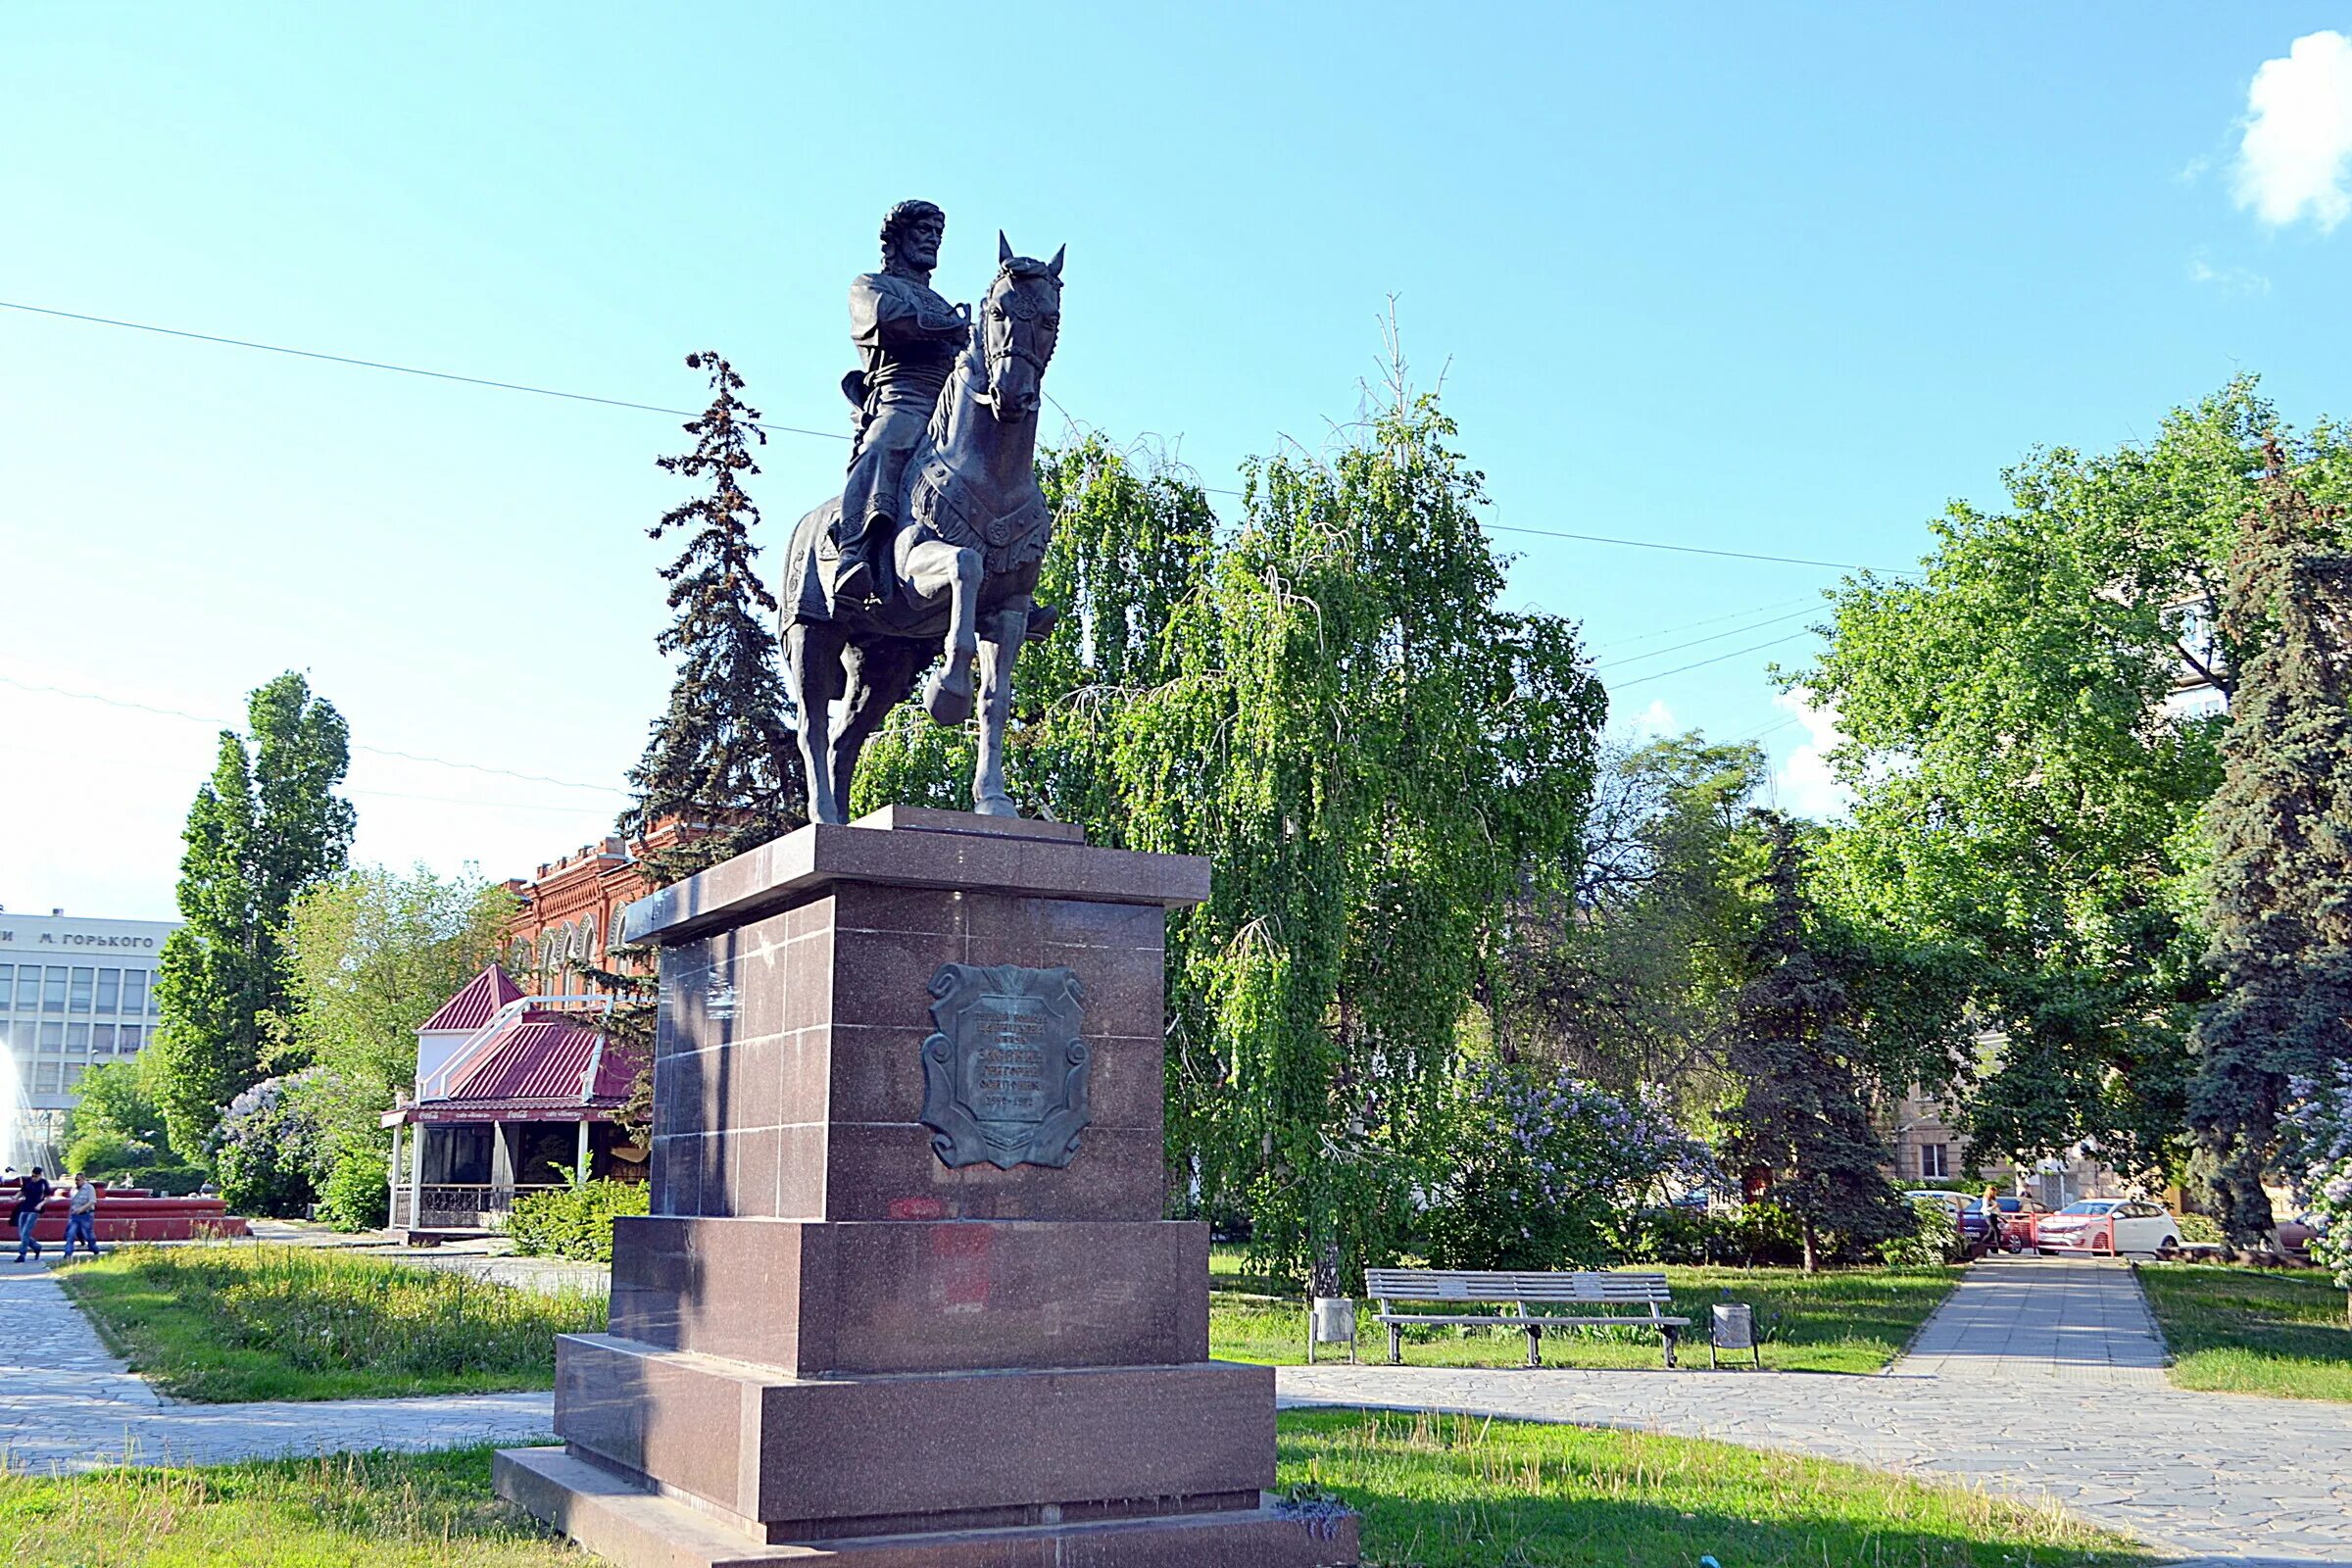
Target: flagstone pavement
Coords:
[(66, 1403), (2037, 1377), (2049, 1395)]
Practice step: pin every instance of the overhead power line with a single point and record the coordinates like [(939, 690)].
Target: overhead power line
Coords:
[(1696, 642), (374, 750), (835, 435), (1756, 647), (398, 370)]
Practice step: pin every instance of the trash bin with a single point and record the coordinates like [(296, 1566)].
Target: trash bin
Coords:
[(1331, 1320), (1733, 1329)]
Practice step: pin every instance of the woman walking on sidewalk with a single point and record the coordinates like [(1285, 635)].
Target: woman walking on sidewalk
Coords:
[(32, 1193)]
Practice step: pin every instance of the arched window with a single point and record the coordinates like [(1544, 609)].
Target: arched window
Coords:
[(549, 954), (586, 953), (518, 958)]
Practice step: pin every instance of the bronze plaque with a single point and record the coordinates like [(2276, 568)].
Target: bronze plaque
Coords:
[(1005, 1077)]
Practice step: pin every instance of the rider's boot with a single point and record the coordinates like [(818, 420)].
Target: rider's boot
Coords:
[(855, 579)]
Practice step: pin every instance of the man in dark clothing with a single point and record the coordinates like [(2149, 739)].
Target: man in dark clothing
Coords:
[(32, 1193), (908, 338)]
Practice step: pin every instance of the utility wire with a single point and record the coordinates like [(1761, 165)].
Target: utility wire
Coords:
[(1644, 680), (83, 758), (1713, 637), (1693, 625), (835, 435), (377, 751), (398, 369)]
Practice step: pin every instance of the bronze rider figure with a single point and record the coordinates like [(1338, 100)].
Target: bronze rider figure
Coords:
[(908, 338)]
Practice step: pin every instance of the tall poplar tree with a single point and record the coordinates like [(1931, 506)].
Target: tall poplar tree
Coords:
[(266, 826), (723, 753), (1805, 1111), (2281, 829)]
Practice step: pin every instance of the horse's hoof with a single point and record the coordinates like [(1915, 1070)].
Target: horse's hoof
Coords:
[(995, 805), (947, 699)]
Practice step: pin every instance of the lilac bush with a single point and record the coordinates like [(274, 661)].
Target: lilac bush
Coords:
[(1547, 1171), (2322, 1122)]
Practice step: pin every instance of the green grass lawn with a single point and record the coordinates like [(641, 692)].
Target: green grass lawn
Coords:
[(1452, 1492), (1436, 1492), (236, 1322), (1847, 1321), (377, 1510), (2252, 1331)]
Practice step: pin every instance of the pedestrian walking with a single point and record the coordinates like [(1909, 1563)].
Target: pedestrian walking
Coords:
[(32, 1193), (81, 1216)]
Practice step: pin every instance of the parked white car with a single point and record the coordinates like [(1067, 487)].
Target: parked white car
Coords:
[(2108, 1226)]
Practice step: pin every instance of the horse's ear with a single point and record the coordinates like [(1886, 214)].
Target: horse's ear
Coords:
[(1054, 267), (1004, 248)]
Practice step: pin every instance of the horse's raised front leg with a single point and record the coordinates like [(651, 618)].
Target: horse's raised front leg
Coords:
[(933, 568), (998, 651), (813, 653)]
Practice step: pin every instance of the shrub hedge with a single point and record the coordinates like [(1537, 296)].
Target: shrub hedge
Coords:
[(575, 1221)]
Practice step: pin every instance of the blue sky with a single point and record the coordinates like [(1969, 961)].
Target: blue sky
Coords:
[(1751, 279)]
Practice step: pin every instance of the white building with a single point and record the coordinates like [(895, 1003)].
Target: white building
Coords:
[(75, 993)]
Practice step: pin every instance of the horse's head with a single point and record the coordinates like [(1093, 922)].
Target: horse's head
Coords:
[(1018, 322)]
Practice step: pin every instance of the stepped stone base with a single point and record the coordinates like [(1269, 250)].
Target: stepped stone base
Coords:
[(635, 1528)]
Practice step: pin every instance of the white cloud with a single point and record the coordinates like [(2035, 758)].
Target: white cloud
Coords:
[(1655, 719), (2229, 279), (1805, 783), (2296, 156)]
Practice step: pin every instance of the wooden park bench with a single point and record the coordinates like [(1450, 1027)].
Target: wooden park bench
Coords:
[(1523, 1292)]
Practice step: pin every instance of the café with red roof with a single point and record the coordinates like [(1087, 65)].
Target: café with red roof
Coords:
[(515, 1094)]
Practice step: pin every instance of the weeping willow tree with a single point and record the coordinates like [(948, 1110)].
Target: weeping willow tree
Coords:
[(1327, 701)]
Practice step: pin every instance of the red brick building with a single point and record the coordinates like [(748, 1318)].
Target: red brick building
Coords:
[(570, 914)]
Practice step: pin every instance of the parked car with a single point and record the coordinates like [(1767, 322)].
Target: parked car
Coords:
[(2294, 1235), (1967, 1212), (2108, 1226)]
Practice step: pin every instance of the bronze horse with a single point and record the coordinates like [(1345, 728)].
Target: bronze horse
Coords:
[(973, 529)]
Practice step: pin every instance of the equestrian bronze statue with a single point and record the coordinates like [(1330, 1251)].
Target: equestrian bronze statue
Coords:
[(936, 559)]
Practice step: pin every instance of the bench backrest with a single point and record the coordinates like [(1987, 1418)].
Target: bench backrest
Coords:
[(1516, 1286)]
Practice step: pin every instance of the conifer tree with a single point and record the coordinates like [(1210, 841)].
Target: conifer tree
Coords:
[(264, 828), (1806, 1117), (2281, 831), (722, 754)]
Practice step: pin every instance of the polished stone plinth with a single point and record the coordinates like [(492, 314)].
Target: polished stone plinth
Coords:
[(827, 1340)]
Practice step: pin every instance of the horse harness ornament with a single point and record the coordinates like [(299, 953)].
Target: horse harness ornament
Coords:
[(939, 499)]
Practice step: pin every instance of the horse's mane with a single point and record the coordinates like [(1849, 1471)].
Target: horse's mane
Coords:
[(970, 366)]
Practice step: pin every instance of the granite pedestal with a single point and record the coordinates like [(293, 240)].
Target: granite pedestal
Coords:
[(841, 1333)]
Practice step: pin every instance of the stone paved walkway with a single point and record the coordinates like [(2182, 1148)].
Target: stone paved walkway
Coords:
[(2004, 1389), (2022, 1319), (66, 1404)]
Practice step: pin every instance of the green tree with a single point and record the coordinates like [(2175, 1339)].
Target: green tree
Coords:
[(2281, 829), (1624, 970), (2023, 797), (116, 1123), (1369, 748), (1805, 1073), (370, 956), (264, 828), (722, 754), (1330, 701)]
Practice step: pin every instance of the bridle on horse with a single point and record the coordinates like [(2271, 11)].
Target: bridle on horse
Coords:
[(1016, 307)]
